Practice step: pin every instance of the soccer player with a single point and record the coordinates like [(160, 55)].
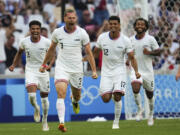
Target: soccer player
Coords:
[(113, 73), (69, 69), (145, 46), (35, 47)]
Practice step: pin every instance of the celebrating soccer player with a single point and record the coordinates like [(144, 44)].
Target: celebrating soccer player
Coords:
[(69, 69), (35, 47), (145, 46)]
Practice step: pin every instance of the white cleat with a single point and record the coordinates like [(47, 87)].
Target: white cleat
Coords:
[(45, 126), (150, 120), (139, 115), (115, 125), (37, 114)]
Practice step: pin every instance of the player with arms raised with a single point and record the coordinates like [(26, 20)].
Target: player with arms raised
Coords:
[(69, 69), (35, 47)]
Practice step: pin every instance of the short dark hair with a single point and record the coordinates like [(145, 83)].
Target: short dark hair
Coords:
[(34, 22), (114, 18), (43, 28), (141, 19), (70, 10)]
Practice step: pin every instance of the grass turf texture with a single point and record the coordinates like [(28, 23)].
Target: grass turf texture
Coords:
[(161, 127)]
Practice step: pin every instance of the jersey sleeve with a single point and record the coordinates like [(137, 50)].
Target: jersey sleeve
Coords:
[(48, 43), (21, 45), (154, 44), (85, 37), (98, 44), (129, 47), (54, 36)]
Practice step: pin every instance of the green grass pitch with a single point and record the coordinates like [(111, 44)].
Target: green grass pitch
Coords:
[(161, 127)]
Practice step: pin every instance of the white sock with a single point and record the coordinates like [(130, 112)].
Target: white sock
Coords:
[(151, 105), (32, 99), (137, 98), (45, 107), (73, 100), (60, 106), (117, 111)]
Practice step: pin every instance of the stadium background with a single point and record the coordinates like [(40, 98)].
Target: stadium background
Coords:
[(164, 19)]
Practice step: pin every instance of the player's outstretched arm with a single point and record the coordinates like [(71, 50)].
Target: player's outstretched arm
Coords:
[(49, 55), (178, 74), (91, 60), (134, 64), (16, 59)]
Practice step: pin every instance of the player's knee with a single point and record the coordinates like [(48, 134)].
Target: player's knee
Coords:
[(149, 94), (106, 98), (43, 94), (117, 96), (136, 87), (61, 94)]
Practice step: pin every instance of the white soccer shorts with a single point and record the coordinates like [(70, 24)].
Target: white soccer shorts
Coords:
[(41, 80), (109, 84), (75, 79), (146, 80)]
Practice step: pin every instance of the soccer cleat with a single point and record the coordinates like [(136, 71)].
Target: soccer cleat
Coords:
[(139, 115), (62, 127), (45, 126), (37, 114), (76, 107), (150, 120), (115, 125)]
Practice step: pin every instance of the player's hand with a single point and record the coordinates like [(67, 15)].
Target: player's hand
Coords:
[(146, 51), (48, 67), (11, 68), (138, 75), (42, 69), (177, 76), (94, 75)]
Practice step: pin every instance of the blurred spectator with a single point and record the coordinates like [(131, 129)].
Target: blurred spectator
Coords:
[(177, 36), (101, 13), (10, 51), (6, 27), (44, 32), (49, 10), (103, 28), (153, 29), (88, 24), (2, 50), (79, 5)]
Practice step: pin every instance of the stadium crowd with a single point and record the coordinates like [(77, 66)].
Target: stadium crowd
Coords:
[(164, 25)]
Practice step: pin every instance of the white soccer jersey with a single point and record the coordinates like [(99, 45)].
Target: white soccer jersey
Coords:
[(113, 53), (35, 52), (70, 48), (144, 61)]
